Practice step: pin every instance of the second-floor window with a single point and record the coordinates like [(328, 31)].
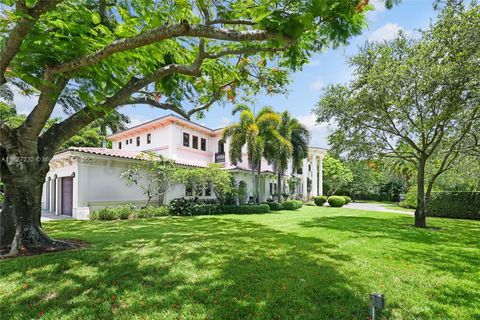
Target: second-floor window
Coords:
[(186, 139), (138, 141), (149, 138), (130, 140), (120, 145), (126, 142), (203, 144), (194, 142)]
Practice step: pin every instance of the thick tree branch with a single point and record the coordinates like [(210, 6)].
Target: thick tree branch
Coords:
[(156, 104), (21, 29), (50, 91), (162, 33), (60, 132), (6, 135), (244, 51)]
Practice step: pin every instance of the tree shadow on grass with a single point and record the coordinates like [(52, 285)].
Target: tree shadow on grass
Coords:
[(182, 268), (452, 245)]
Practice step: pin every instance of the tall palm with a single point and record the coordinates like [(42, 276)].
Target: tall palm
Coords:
[(251, 131), (113, 121), (290, 141)]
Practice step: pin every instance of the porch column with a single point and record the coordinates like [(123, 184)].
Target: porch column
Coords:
[(47, 195), (314, 176), (58, 192), (52, 195), (266, 193), (304, 178), (320, 176)]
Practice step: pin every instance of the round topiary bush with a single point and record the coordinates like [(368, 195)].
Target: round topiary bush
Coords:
[(320, 200), (336, 201), (347, 199)]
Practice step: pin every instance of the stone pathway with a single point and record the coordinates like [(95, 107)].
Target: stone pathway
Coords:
[(373, 207)]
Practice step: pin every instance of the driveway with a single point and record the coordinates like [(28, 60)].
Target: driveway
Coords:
[(373, 207)]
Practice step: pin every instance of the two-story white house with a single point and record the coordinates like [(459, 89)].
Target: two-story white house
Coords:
[(84, 179)]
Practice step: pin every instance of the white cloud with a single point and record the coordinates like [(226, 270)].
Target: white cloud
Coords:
[(225, 121), (317, 85), (310, 121), (378, 5), (386, 32), (319, 132)]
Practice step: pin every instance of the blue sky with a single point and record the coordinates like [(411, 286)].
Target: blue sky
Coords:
[(305, 88)]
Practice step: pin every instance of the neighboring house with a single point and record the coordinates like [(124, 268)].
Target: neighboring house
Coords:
[(84, 179)]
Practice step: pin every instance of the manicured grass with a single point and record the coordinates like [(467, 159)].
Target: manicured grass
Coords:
[(314, 263), (395, 206), (376, 202)]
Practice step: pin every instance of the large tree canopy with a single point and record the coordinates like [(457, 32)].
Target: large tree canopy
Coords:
[(90, 57), (413, 99)]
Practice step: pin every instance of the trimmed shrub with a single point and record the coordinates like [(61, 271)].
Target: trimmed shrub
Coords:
[(347, 199), (310, 204), (151, 212), (113, 213), (128, 212), (459, 205), (205, 209), (336, 201), (207, 201), (181, 206), (274, 206), (292, 205), (320, 200), (246, 209)]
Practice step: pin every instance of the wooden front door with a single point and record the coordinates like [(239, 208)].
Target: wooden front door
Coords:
[(67, 195)]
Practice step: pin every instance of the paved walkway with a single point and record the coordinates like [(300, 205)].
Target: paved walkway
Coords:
[(373, 207), (48, 216)]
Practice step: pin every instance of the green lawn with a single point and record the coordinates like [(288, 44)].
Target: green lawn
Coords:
[(395, 206), (316, 263)]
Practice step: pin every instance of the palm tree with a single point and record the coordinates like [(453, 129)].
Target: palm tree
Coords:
[(251, 131), (290, 141), (114, 121)]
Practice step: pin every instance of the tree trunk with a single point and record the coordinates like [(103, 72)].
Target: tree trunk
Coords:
[(20, 222), (420, 212), (7, 224), (254, 188), (279, 185), (257, 186), (24, 198)]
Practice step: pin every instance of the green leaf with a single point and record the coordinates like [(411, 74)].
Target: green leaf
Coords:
[(96, 19)]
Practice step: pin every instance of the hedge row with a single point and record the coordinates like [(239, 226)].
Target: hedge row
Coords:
[(128, 212), (246, 208), (460, 205), (287, 205)]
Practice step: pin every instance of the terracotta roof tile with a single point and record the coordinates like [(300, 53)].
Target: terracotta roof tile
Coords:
[(108, 152), (125, 154)]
